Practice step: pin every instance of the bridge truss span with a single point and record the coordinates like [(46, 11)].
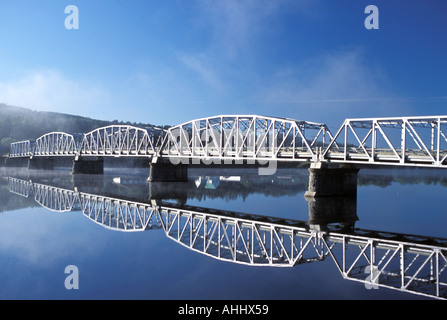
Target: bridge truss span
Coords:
[(121, 140), (21, 149), (252, 137), (56, 144), (418, 141)]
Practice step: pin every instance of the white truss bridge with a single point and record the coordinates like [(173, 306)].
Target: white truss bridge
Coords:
[(407, 263), (402, 141)]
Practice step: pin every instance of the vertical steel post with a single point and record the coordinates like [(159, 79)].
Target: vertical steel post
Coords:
[(402, 265), (346, 141), (438, 142), (374, 140), (403, 144)]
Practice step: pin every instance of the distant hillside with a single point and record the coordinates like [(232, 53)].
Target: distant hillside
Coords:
[(17, 123)]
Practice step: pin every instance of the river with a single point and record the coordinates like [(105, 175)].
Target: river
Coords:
[(52, 245)]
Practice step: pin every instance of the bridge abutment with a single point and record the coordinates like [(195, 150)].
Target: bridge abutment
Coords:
[(164, 171), (329, 181), (88, 166)]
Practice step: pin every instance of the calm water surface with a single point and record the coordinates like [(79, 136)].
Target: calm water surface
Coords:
[(39, 238)]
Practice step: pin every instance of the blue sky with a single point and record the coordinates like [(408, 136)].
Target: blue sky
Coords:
[(167, 62)]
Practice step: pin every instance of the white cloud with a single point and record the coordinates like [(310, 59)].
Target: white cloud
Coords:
[(236, 26), (51, 90), (204, 70)]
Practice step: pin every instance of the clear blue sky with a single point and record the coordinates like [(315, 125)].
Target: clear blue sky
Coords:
[(167, 62)]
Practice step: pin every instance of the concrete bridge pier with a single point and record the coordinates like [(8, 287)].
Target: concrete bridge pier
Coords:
[(162, 170), (331, 181), (40, 163), (88, 165)]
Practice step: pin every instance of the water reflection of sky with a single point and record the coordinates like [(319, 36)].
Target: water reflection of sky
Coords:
[(36, 245)]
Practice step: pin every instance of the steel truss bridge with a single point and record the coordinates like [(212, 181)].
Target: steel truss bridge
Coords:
[(407, 141), (407, 263)]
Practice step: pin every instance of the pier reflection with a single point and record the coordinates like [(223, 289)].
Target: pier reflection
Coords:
[(409, 263)]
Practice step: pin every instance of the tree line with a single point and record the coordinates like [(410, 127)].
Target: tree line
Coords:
[(17, 124)]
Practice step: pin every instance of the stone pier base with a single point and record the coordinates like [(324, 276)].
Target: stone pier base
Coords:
[(88, 166), (325, 181)]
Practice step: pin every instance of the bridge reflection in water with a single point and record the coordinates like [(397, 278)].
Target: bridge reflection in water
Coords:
[(408, 263)]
